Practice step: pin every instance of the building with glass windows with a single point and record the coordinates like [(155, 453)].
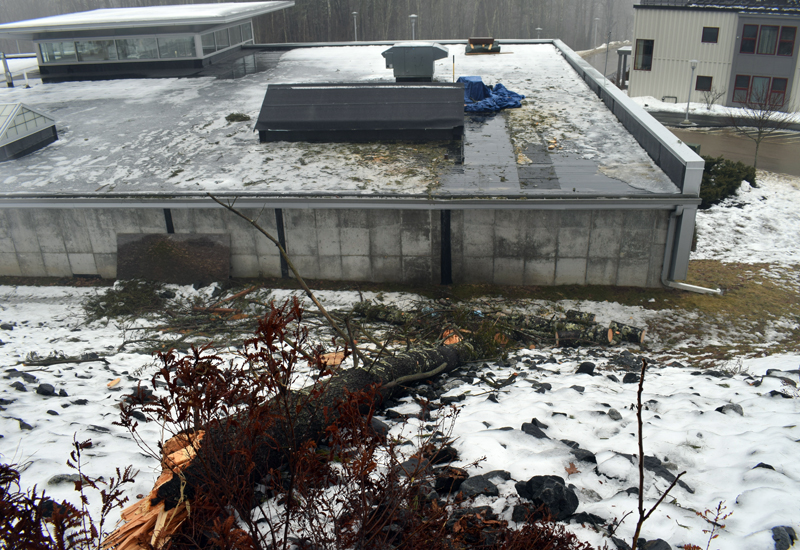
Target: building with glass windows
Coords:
[(746, 51), (139, 42), (23, 130)]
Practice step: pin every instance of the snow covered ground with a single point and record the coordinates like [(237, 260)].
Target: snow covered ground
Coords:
[(650, 103), (720, 451)]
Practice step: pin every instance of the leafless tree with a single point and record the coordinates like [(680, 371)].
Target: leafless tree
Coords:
[(762, 114), (711, 96)]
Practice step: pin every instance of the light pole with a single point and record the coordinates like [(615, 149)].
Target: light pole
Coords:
[(413, 26), (538, 33), (355, 27), (686, 122), (594, 34)]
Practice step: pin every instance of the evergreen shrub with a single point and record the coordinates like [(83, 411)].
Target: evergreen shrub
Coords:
[(721, 179)]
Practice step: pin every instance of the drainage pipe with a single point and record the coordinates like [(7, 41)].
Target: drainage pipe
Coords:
[(668, 261)]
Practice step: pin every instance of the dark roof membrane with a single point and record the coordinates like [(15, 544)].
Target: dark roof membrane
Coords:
[(362, 112), (768, 6)]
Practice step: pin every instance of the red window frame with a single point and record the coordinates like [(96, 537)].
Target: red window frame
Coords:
[(739, 87), (748, 44), (783, 83), (786, 41), (761, 37)]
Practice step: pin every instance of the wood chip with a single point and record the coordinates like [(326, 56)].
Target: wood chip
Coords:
[(114, 382), (333, 359)]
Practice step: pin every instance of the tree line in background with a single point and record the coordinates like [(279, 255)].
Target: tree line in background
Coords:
[(581, 24)]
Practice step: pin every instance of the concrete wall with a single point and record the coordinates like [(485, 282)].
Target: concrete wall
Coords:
[(559, 247), (530, 247)]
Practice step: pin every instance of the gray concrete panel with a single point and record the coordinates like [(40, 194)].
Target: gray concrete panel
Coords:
[(207, 220), (570, 271), (49, 231), (123, 220), (151, 220), (301, 232), (307, 266), (21, 227), (656, 264), (636, 244), (510, 218), (606, 218), (354, 241), (384, 233), (633, 272), (475, 270), (356, 268), (509, 271), (540, 272), (576, 218), (478, 240), (106, 265), (509, 242), (76, 232), (328, 237), (638, 219), (31, 264), (601, 271), (56, 264), (573, 242), (385, 269), (82, 264), (604, 242), (547, 219), (477, 218), (182, 220), (9, 265), (415, 233), (456, 235), (269, 265), (353, 219), (244, 265), (243, 237), (330, 267), (6, 241), (541, 242), (417, 270)]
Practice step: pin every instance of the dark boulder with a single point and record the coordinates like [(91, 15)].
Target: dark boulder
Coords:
[(552, 493)]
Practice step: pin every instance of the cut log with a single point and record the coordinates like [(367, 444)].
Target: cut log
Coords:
[(589, 336), (627, 333), (582, 317)]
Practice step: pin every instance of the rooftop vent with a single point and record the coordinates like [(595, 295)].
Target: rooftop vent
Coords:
[(413, 61), (360, 112), (23, 130)]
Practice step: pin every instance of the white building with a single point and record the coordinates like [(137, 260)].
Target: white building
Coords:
[(746, 48)]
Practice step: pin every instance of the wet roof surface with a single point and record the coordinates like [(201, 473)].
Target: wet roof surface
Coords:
[(168, 136)]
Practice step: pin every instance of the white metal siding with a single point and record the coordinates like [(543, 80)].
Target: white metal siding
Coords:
[(677, 36)]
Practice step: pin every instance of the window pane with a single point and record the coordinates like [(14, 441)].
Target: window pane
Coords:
[(786, 44), (53, 52), (209, 46), (759, 91), (137, 48), (767, 40), (703, 83), (236, 35), (247, 32), (643, 60), (222, 39), (742, 82), (779, 84), (710, 34), (96, 50), (179, 46), (749, 35)]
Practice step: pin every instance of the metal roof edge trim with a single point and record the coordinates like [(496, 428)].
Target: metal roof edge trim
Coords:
[(662, 202), (667, 139), (8, 31)]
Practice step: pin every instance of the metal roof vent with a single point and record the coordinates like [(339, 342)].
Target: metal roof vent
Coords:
[(23, 130), (414, 61)]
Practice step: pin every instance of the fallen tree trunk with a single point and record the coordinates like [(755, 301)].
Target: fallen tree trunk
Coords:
[(310, 422)]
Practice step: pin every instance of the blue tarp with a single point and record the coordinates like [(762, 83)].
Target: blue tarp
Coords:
[(479, 98)]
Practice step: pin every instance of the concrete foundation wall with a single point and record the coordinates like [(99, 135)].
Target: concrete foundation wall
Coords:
[(507, 247)]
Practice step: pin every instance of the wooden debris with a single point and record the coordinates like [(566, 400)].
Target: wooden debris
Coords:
[(333, 359), (146, 523), (582, 317), (627, 333), (451, 337), (114, 382)]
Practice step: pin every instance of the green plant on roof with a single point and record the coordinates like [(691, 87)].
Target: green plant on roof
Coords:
[(237, 117)]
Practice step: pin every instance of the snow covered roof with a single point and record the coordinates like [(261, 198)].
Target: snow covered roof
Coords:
[(775, 7), (155, 16), (171, 136), (18, 121)]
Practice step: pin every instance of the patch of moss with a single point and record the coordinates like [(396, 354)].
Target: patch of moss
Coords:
[(237, 117)]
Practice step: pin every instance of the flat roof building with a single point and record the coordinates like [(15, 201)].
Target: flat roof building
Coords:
[(138, 42), (578, 186)]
